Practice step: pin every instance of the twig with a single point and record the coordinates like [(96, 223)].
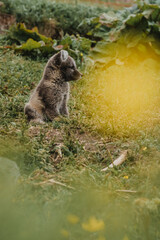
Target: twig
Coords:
[(5, 47), (117, 162), (52, 181), (126, 191)]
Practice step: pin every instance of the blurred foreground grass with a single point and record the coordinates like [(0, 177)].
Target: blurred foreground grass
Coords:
[(66, 196), (92, 210)]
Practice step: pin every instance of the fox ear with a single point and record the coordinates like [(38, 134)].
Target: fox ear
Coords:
[(60, 57), (63, 55)]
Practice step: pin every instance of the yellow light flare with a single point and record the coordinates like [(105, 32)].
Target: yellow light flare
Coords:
[(93, 225), (125, 90)]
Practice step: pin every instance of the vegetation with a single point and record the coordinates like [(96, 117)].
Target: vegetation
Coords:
[(136, 27), (61, 192), (36, 12)]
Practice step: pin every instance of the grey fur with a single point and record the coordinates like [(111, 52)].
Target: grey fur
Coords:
[(50, 97)]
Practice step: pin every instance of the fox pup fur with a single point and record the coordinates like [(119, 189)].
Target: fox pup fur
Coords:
[(49, 99)]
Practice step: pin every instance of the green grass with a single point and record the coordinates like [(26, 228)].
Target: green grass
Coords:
[(88, 140)]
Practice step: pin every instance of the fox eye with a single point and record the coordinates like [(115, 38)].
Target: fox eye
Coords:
[(72, 67)]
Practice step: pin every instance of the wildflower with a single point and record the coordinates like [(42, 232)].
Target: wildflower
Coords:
[(65, 233), (72, 219), (101, 238), (81, 54), (144, 148), (125, 238), (93, 225), (125, 177)]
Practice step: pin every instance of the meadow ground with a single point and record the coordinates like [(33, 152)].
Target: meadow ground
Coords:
[(62, 193)]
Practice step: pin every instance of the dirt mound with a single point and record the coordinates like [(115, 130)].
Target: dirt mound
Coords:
[(6, 21), (50, 28)]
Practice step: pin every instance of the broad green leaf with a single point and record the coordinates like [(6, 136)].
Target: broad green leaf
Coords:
[(147, 13), (22, 34), (134, 19), (29, 45), (108, 20)]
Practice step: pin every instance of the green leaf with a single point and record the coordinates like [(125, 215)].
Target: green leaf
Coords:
[(29, 45), (109, 20), (21, 34), (134, 19), (147, 13), (66, 41)]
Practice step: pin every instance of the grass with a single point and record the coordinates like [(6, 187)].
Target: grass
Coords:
[(88, 205)]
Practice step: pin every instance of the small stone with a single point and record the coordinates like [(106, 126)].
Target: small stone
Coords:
[(9, 171)]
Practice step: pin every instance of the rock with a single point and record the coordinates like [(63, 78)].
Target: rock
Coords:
[(9, 171), (6, 20), (50, 28)]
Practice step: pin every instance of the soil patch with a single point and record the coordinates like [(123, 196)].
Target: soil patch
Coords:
[(6, 20)]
